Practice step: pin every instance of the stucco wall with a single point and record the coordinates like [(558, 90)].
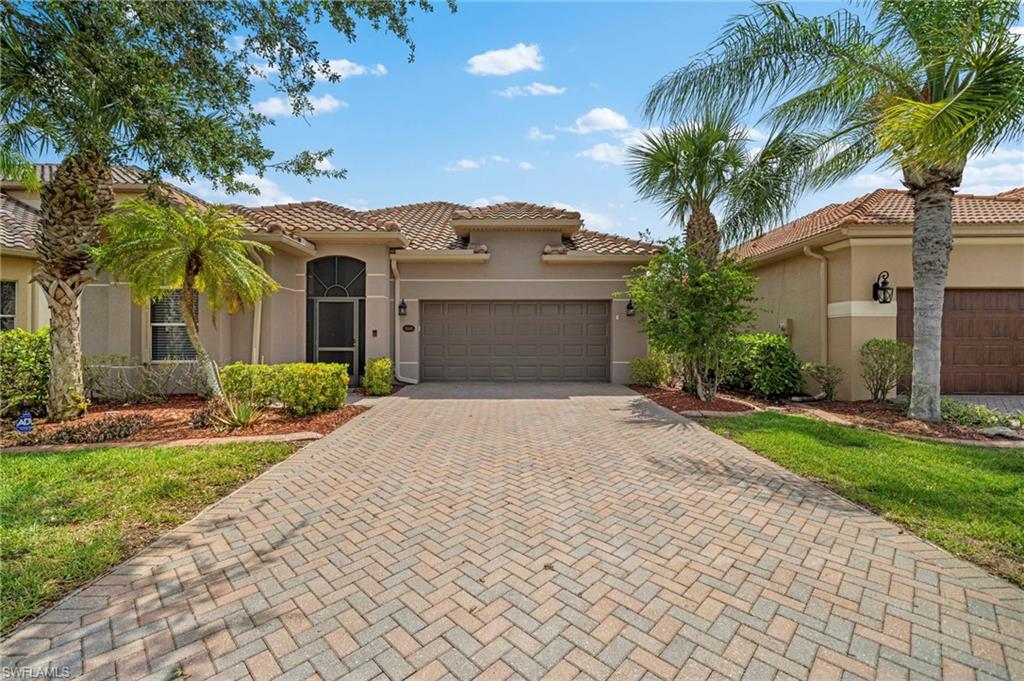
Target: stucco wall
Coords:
[(30, 310), (789, 288)]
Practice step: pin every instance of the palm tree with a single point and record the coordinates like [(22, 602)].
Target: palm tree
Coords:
[(694, 168), (919, 85), (158, 248)]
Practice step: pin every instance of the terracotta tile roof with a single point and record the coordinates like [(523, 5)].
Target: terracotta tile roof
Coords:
[(515, 210), (597, 242), (426, 225), (884, 207), (122, 175), (313, 216), (19, 223)]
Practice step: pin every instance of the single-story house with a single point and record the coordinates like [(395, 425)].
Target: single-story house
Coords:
[(816, 276), (513, 291)]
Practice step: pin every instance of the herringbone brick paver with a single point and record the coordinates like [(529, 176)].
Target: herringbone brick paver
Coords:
[(528, 532)]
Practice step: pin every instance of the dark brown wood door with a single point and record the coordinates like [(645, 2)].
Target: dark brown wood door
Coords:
[(982, 339)]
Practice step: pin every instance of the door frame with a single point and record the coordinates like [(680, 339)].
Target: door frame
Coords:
[(355, 331)]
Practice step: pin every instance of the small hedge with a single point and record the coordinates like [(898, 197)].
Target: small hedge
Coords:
[(652, 371), (302, 388), (105, 429), (767, 365), (883, 362), (973, 415), (379, 372), (24, 371)]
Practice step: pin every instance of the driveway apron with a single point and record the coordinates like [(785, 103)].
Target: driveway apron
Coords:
[(522, 531)]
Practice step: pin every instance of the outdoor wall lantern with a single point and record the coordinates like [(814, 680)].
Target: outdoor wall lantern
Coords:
[(880, 290), (403, 309), (630, 308)]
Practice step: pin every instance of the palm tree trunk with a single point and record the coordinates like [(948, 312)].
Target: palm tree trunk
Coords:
[(932, 192), (71, 205), (702, 232), (188, 307)]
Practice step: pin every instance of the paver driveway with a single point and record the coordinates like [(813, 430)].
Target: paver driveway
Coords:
[(489, 531)]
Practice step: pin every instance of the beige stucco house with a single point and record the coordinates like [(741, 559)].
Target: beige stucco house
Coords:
[(815, 278), (514, 291)]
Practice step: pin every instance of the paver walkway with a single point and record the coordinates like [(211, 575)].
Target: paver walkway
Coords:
[(486, 531)]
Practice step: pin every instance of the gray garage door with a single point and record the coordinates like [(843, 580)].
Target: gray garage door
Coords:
[(514, 340)]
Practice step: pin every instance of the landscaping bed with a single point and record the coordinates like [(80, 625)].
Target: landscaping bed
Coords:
[(969, 500), (172, 419), (680, 401), (68, 517), (884, 416)]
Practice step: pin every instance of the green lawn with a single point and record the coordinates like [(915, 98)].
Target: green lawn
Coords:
[(67, 517), (969, 500)]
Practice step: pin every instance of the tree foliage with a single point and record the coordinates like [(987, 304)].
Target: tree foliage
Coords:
[(169, 85), (692, 308)]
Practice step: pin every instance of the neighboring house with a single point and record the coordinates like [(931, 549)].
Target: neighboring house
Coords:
[(815, 278), (514, 291)]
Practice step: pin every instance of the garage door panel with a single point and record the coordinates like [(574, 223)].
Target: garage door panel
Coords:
[(515, 340), (982, 339)]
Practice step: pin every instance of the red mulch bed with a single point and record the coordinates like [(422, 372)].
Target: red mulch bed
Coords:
[(679, 401), (172, 420)]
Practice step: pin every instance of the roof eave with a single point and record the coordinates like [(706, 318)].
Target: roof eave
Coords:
[(463, 226), (440, 256), (393, 239), (592, 258), (19, 252), (285, 243)]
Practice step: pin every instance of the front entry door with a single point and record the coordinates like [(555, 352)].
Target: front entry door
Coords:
[(337, 333)]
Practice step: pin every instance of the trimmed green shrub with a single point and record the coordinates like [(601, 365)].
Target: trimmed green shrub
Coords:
[(652, 370), (767, 365), (24, 370), (827, 377), (248, 381), (303, 388), (379, 373), (883, 362), (311, 388)]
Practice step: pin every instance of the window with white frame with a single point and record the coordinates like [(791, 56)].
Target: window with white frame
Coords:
[(168, 340), (8, 304)]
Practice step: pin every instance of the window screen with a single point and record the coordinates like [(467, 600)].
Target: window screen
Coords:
[(169, 341), (8, 303)]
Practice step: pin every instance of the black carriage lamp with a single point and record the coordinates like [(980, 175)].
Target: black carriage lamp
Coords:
[(403, 309), (630, 308), (880, 290)]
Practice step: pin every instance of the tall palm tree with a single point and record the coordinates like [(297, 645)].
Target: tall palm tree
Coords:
[(917, 85), (158, 248), (706, 164)]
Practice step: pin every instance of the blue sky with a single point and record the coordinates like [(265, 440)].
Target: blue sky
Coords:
[(517, 101)]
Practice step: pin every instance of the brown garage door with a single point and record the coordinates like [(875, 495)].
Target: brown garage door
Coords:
[(514, 341), (982, 339)]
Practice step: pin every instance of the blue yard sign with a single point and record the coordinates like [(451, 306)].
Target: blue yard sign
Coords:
[(24, 422)]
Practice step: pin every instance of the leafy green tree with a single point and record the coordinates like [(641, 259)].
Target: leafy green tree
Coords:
[(707, 164), (693, 308), (918, 85), (167, 85), (158, 248)]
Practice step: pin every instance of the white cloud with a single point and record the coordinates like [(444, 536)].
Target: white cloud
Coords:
[(876, 180), (526, 165), (1002, 173), (521, 57), (488, 200), (343, 68), (605, 153), (532, 90), (753, 134), (279, 106), (998, 155), (498, 158), (269, 192), (324, 164), (463, 164), (599, 119), (591, 219), (1019, 32), (534, 134)]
